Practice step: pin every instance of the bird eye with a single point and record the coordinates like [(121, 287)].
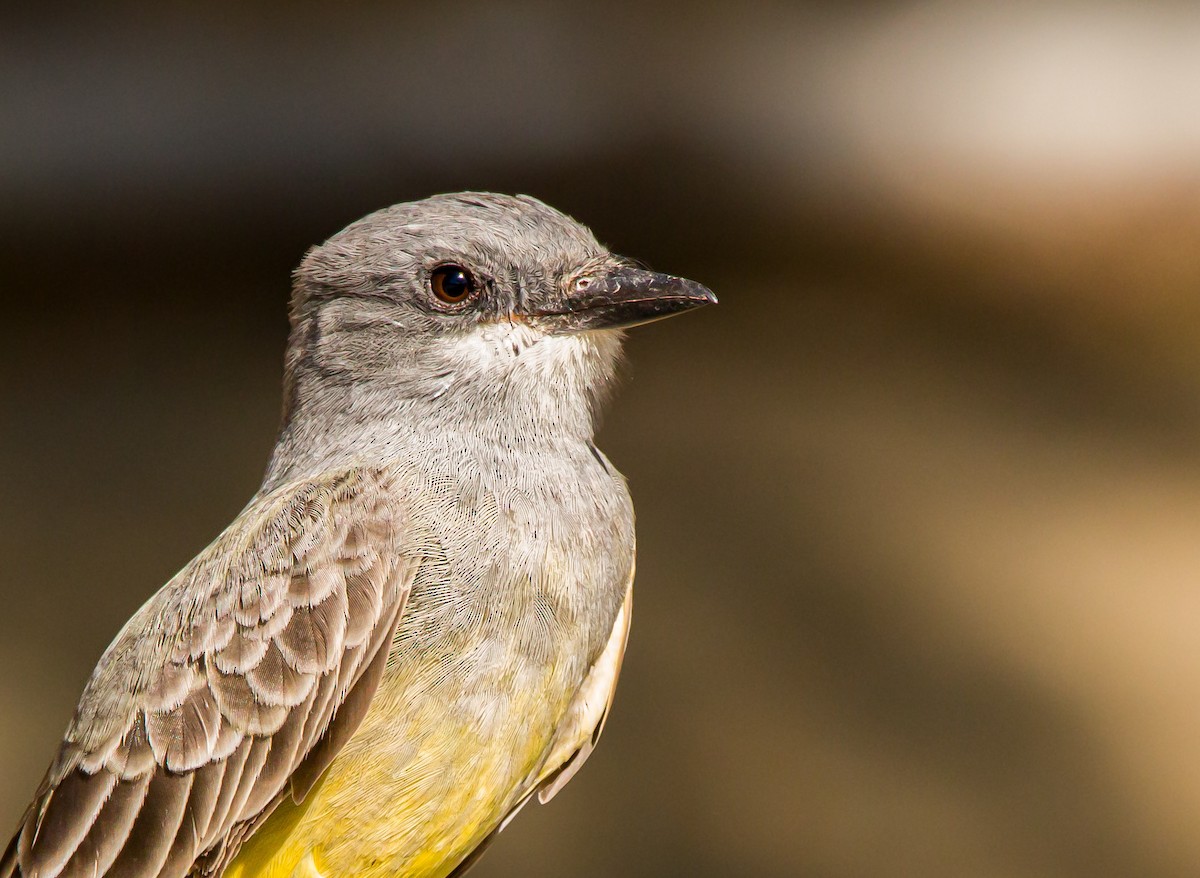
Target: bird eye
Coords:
[(452, 284)]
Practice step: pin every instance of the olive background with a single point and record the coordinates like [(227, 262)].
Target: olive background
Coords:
[(917, 503)]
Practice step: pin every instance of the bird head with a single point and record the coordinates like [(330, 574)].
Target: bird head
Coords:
[(468, 305)]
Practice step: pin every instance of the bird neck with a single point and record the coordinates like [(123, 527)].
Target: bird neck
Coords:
[(331, 426)]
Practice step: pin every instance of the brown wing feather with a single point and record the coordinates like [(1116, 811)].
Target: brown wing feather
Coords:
[(233, 686)]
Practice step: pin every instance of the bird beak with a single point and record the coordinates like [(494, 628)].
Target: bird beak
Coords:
[(625, 297)]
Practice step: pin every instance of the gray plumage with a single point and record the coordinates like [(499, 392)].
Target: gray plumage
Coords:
[(437, 544)]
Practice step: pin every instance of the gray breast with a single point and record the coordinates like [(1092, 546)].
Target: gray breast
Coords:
[(532, 546)]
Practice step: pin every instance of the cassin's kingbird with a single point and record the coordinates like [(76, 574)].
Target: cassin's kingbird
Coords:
[(417, 622)]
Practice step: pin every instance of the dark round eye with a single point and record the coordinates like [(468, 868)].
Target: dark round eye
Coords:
[(452, 283)]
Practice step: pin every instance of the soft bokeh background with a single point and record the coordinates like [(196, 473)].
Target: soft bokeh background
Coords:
[(919, 503)]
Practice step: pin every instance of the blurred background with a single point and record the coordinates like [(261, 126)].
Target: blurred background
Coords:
[(918, 504)]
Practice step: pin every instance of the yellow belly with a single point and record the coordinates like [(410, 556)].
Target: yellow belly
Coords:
[(420, 785), (320, 836)]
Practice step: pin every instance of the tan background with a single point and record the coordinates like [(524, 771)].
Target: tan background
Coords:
[(918, 504)]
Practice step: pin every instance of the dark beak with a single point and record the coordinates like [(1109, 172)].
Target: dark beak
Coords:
[(625, 297)]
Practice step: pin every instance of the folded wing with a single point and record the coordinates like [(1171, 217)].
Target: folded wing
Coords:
[(232, 687)]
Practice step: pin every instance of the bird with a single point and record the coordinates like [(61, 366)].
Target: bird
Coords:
[(416, 624)]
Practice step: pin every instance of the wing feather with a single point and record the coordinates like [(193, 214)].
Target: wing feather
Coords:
[(110, 830), (349, 712), (235, 685), (229, 787), (202, 805), (281, 761), (149, 841), (58, 829), (273, 681), (259, 750)]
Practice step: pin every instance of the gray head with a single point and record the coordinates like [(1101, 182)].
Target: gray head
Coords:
[(475, 310)]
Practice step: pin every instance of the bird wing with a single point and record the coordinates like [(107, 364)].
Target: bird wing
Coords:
[(232, 687), (579, 733)]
